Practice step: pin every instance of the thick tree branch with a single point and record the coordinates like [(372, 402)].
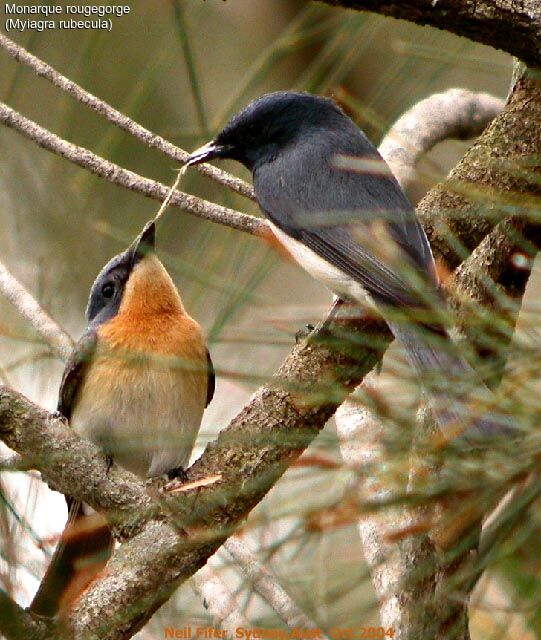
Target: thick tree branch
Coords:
[(255, 450), (495, 176), (249, 455), (67, 462), (456, 113), (419, 602), (119, 119), (128, 179), (514, 27), (18, 624), (407, 592), (213, 592)]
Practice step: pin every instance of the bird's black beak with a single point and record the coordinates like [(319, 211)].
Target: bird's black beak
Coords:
[(208, 152), (144, 243)]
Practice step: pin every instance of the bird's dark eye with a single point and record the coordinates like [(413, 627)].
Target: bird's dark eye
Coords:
[(253, 128), (108, 290)]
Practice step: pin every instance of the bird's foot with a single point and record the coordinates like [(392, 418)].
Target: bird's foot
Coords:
[(56, 415), (304, 332), (175, 479), (178, 473), (108, 462)]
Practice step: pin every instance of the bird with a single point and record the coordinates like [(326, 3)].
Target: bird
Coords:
[(333, 203), (136, 384)]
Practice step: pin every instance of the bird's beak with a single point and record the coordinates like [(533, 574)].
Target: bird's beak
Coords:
[(145, 242), (208, 152)]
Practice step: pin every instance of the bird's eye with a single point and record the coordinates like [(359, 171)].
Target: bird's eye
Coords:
[(108, 290)]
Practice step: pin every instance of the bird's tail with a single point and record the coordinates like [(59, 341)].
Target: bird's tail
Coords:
[(84, 548), (453, 388)]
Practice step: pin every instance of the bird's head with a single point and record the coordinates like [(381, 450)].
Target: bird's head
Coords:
[(268, 124), (134, 279)]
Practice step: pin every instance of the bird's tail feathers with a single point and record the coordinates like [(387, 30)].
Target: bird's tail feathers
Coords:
[(454, 390), (84, 548)]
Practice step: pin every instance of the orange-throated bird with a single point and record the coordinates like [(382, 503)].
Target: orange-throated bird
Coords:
[(136, 385)]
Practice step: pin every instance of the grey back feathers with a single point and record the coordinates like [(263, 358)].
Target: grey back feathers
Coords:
[(292, 143)]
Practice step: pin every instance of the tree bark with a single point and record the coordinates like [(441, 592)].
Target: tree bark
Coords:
[(514, 27)]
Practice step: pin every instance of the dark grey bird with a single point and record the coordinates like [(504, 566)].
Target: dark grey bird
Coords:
[(334, 204)]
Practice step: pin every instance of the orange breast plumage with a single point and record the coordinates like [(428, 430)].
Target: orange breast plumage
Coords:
[(144, 393)]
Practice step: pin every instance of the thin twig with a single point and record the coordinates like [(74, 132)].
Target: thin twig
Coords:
[(28, 307), (128, 179), (119, 119), (218, 599), (267, 585)]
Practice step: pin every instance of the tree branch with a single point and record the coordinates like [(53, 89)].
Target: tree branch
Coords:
[(508, 25), (26, 305), (456, 113), (267, 586), (410, 575), (250, 455), (119, 119), (18, 624), (220, 602), (212, 591), (495, 176), (128, 179), (67, 462)]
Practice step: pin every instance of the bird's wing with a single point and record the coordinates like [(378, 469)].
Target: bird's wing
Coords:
[(339, 246), (333, 213), (74, 372), (81, 548), (211, 383)]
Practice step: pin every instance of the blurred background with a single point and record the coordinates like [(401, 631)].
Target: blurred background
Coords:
[(182, 68)]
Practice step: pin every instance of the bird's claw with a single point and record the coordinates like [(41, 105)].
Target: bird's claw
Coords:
[(176, 478), (304, 333), (108, 463), (56, 415), (178, 473)]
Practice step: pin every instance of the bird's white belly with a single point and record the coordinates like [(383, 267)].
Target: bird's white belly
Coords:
[(146, 418), (334, 279)]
